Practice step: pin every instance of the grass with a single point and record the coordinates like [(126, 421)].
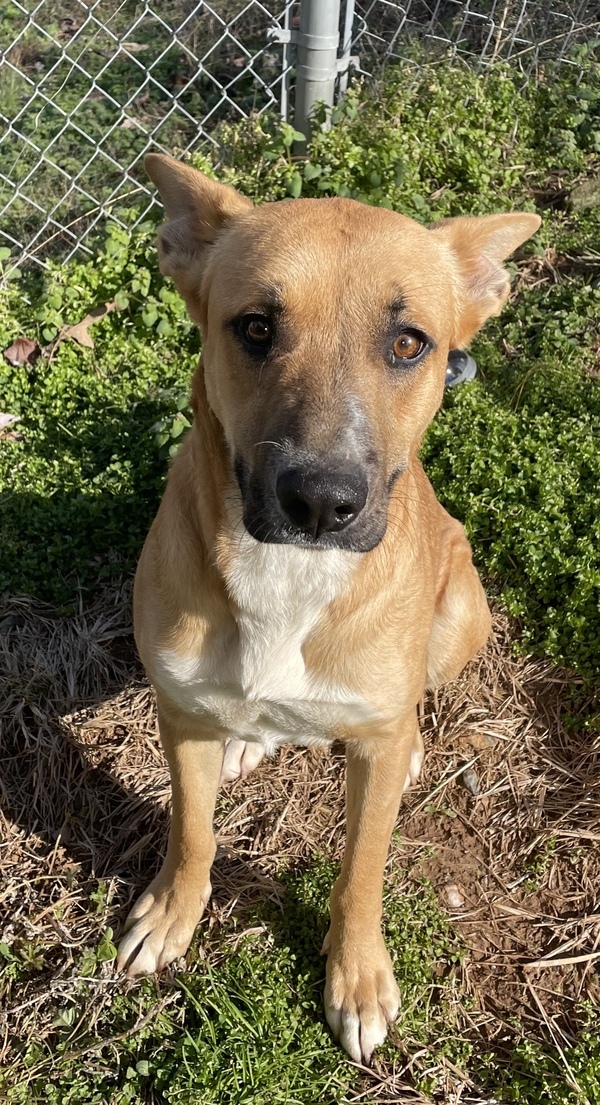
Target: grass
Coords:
[(85, 788), (208, 1039)]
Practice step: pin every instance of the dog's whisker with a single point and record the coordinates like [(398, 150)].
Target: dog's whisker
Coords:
[(277, 444)]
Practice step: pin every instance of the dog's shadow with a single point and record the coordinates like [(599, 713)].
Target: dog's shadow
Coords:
[(82, 832), (78, 819), (84, 788), (69, 811)]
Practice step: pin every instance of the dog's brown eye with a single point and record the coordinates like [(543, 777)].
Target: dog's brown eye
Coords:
[(407, 346), (257, 330)]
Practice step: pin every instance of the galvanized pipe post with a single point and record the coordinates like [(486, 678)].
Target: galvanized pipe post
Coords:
[(317, 42)]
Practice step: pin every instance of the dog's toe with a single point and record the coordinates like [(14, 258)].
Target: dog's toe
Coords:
[(241, 757), (349, 1035), (360, 1033)]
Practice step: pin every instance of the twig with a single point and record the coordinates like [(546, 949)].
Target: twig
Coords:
[(444, 783), (86, 215), (565, 961), (555, 38), (570, 1077)]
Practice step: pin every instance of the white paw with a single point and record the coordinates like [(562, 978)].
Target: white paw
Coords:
[(160, 927), (361, 999), (241, 757)]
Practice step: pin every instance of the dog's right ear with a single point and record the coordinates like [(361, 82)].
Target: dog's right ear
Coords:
[(198, 209)]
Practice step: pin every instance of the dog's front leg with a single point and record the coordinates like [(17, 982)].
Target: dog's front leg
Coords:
[(361, 996), (162, 922)]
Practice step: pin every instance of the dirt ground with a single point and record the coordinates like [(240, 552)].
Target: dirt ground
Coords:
[(504, 822)]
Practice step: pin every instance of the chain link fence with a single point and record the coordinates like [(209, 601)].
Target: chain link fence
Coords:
[(86, 89), (525, 32)]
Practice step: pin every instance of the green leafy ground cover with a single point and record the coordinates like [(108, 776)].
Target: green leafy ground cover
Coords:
[(514, 455), (252, 1030), (242, 1023)]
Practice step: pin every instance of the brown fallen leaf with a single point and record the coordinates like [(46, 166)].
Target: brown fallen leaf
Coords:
[(22, 351), (80, 331), (586, 194), (69, 26)]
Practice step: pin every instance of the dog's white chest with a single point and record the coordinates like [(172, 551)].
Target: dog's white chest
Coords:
[(252, 680)]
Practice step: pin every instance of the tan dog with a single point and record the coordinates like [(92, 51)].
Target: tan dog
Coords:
[(301, 582)]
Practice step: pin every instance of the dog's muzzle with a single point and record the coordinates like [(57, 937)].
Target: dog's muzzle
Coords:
[(329, 503)]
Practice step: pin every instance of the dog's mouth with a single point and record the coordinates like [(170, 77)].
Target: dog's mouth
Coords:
[(315, 505)]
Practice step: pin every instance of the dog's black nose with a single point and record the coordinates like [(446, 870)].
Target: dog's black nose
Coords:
[(320, 501)]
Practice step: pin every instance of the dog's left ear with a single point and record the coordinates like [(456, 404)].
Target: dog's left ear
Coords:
[(480, 245), (198, 210)]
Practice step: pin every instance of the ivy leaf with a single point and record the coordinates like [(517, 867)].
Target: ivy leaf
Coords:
[(311, 171), (295, 185), (106, 949), (149, 315)]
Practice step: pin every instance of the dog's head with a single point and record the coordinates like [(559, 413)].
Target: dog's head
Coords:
[(326, 328)]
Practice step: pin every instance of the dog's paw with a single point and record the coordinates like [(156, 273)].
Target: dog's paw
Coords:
[(160, 927), (241, 757), (361, 997)]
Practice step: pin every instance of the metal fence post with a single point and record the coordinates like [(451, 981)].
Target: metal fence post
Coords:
[(317, 42), (345, 60)]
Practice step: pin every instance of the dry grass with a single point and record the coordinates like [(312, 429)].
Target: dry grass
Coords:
[(524, 851), (84, 813)]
